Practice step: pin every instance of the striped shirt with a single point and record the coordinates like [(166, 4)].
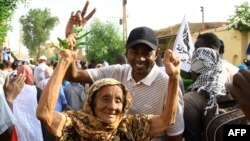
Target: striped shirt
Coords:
[(148, 94)]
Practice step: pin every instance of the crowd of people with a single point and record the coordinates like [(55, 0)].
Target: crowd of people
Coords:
[(139, 98)]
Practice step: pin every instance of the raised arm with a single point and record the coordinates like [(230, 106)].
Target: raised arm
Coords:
[(73, 74), (54, 121), (167, 117), (12, 88), (79, 18)]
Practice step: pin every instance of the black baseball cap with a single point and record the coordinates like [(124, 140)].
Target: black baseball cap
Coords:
[(142, 35)]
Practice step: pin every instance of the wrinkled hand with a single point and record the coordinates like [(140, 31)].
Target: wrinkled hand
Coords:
[(71, 39), (68, 54), (172, 64), (79, 18), (13, 86), (240, 90)]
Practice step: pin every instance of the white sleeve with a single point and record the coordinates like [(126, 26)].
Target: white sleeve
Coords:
[(7, 118)]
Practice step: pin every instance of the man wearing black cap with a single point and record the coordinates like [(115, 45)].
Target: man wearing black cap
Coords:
[(141, 52)]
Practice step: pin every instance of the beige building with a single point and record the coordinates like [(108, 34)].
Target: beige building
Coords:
[(236, 42)]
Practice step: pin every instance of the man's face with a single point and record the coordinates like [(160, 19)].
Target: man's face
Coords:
[(141, 58)]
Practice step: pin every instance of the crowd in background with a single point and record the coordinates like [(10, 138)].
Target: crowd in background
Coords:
[(141, 73)]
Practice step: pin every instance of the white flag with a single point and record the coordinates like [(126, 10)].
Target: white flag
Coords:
[(184, 46)]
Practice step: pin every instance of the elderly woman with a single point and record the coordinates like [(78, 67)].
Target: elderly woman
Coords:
[(104, 115)]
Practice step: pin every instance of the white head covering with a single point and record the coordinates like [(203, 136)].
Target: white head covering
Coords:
[(43, 58)]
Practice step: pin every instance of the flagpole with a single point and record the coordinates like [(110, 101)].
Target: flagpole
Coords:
[(124, 17), (202, 12)]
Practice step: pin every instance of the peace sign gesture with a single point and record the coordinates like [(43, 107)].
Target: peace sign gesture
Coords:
[(79, 18)]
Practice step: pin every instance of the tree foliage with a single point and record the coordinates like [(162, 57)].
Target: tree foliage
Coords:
[(241, 19), (104, 41), (7, 8), (36, 26)]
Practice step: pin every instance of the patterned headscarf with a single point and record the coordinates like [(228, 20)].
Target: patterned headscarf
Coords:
[(207, 63), (25, 69), (89, 126)]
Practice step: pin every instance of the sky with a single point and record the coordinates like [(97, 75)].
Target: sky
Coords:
[(155, 14)]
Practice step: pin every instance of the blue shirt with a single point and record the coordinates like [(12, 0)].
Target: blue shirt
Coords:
[(61, 101)]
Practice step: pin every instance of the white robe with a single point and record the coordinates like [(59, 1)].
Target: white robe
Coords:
[(24, 109)]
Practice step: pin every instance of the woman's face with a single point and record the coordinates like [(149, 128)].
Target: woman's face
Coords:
[(109, 103)]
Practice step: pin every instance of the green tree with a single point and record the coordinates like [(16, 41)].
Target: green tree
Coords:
[(241, 19), (36, 26), (7, 8), (104, 41)]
